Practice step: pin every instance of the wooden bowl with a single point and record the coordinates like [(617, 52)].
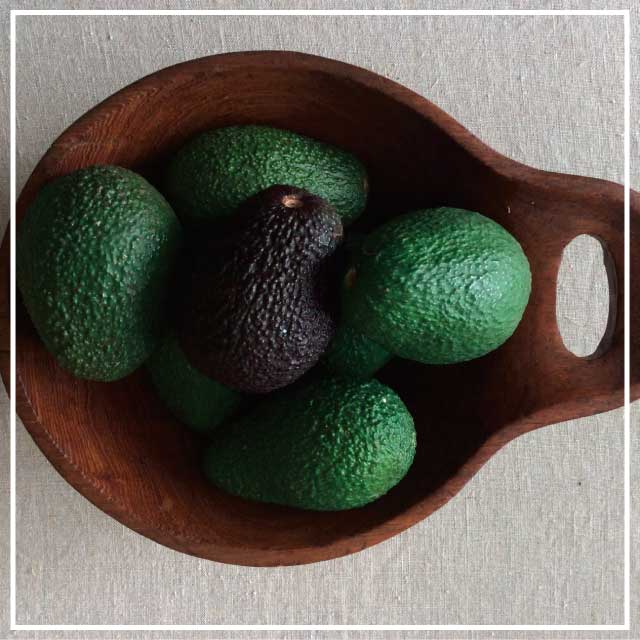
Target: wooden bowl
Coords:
[(118, 446)]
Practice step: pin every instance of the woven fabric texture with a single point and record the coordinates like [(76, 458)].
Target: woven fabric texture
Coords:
[(537, 536)]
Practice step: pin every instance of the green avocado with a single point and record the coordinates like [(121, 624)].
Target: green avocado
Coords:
[(329, 445), (199, 402), (438, 286), (94, 255), (219, 169), (351, 354)]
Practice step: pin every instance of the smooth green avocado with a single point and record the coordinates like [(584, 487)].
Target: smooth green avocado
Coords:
[(94, 255), (219, 169), (351, 354), (438, 286), (328, 445), (196, 400)]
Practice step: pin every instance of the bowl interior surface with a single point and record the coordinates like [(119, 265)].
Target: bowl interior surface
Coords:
[(122, 449)]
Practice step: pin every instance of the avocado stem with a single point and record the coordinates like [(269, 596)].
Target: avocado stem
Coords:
[(350, 278), (292, 202)]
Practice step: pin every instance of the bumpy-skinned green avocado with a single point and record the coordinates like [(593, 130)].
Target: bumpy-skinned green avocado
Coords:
[(438, 286), (351, 354), (199, 402), (257, 308), (329, 445), (94, 255), (214, 173)]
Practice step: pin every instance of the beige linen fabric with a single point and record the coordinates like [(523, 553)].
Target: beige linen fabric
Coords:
[(537, 536)]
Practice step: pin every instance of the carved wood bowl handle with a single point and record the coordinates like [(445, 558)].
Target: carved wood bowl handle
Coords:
[(555, 384)]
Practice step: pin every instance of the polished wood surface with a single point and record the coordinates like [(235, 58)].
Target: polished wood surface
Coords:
[(118, 446)]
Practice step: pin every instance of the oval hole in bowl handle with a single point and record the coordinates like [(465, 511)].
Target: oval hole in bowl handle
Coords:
[(586, 294)]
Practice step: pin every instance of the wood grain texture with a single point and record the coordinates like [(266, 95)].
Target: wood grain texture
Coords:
[(120, 448)]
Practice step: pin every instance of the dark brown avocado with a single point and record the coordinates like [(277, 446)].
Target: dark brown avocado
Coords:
[(257, 310)]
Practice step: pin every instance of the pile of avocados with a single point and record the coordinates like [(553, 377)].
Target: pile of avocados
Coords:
[(260, 319)]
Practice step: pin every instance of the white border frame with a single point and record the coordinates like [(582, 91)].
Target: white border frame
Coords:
[(337, 627)]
